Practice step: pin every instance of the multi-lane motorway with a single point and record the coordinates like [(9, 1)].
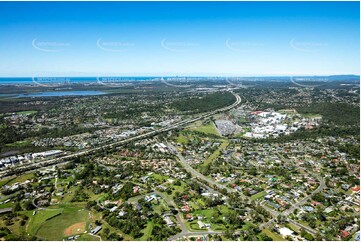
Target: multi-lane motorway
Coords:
[(66, 158)]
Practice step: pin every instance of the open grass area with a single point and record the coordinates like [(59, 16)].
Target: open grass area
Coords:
[(258, 195), (94, 215), (204, 213), (216, 153), (88, 237), (311, 115), (54, 228), (273, 235), (35, 221), (147, 231), (206, 129), (182, 139), (6, 181), (22, 143), (27, 112), (15, 227), (294, 227), (21, 178), (193, 226)]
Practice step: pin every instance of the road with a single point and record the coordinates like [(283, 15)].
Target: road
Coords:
[(274, 213), (66, 158), (301, 202), (195, 173), (170, 203)]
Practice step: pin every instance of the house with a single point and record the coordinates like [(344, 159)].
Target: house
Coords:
[(96, 230), (344, 234), (6, 210), (113, 209), (357, 236), (308, 208), (189, 217), (168, 221), (203, 225), (285, 232)]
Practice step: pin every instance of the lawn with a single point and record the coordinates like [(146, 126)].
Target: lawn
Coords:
[(88, 237), (16, 228), (216, 153), (35, 221), (147, 231), (21, 178), (194, 226), (207, 213), (294, 227), (206, 129), (5, 181), (311, 115), (274, 236), (23, 143), (27, 112), (181, 139), (258, 195), (54, 229)]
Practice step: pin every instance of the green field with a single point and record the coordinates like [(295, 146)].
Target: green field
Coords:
[(40, 217), (181, 139), (27, 112), (21, 178), (274, 236), (54, 228), (23, 143), (206, 129), (88, 237), (147, 231), (216, 153), (258, 195)]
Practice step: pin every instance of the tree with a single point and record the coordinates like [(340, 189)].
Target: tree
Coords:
[(106, 232)]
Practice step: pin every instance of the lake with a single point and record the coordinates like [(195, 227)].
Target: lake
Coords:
[(62, 94)]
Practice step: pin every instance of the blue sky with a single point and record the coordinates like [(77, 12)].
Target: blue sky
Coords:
[(179, 38)]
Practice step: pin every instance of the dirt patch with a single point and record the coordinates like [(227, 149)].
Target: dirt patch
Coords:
[(77, 228)]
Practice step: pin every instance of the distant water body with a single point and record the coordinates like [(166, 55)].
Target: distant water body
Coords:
[(61, 94), (64, 80)]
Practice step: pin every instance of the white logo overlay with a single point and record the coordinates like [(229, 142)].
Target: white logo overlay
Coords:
[(301, 81), (243, 46), (167, 82), (238, 81), (51, 81), (49, 46), (307, 46), (111, 81), (115, 46), (178, 46)]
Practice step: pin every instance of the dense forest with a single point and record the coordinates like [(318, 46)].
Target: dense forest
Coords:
[(203, 104), (336, 113)]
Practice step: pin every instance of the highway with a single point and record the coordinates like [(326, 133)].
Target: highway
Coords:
[(66, 158)]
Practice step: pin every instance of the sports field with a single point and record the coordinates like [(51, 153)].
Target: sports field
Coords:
[(71, 221)]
